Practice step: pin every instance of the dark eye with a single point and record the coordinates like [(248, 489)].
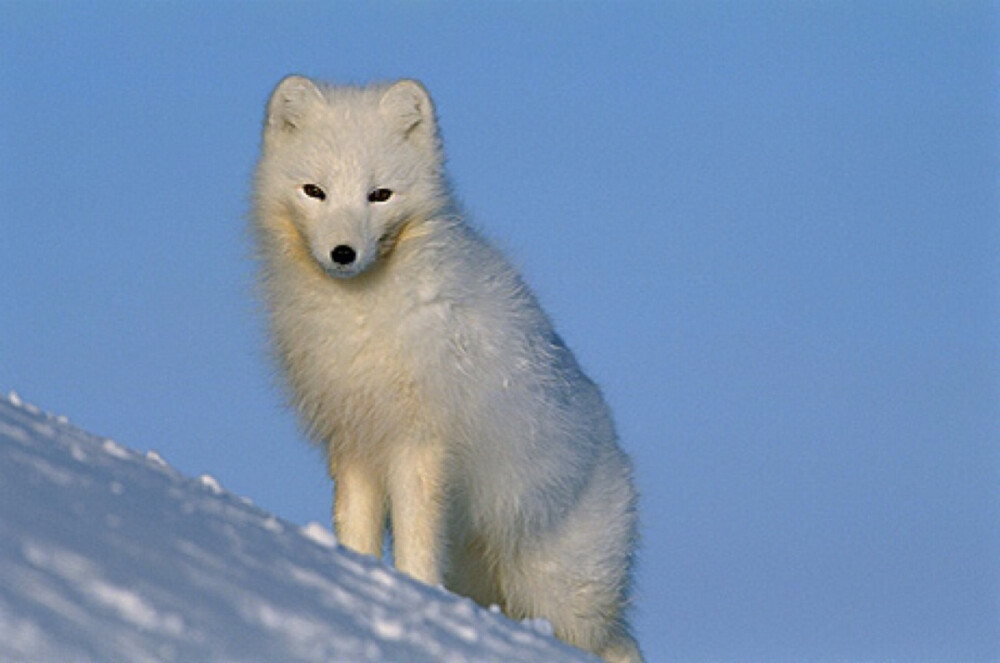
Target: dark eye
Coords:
[(314, 191), (379, 195)]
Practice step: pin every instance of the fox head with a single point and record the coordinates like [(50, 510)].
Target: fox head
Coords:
[(349, 168)]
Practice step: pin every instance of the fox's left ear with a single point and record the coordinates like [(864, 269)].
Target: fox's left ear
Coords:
[(408, 106)]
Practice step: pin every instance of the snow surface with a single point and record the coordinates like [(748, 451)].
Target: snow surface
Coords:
[(110, 555)]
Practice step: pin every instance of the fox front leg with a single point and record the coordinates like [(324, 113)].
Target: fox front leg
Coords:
[(417, 506), (359, 509)]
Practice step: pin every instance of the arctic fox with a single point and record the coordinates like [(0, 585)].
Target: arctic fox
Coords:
[(448, 406)]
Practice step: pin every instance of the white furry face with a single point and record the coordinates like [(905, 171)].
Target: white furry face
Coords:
[(350, 167)]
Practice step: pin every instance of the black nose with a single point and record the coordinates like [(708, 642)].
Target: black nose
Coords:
[(343, 255)]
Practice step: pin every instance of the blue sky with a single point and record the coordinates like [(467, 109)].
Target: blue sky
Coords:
[(770, 233)]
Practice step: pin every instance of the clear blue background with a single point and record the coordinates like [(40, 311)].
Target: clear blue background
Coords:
[(770, 231)]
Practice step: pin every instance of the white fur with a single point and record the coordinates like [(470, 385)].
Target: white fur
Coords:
[(427, 370)]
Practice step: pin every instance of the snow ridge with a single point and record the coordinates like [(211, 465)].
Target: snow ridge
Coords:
[(111, 555)]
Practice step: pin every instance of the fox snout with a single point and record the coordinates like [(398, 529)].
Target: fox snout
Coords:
[(344, 245), (349, 257), (343, 254), (345, 259)]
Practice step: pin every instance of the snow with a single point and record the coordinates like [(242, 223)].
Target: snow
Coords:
[(111, 555)]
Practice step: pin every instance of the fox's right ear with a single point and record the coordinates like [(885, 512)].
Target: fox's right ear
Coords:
[(291, 103)]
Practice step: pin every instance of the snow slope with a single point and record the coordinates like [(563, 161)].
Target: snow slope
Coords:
[(109, 555)]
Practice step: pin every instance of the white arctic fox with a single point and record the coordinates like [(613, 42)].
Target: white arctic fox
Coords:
[(418, 358)]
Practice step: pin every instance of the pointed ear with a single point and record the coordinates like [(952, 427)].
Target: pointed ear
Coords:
[(408, 107), (291, 103)]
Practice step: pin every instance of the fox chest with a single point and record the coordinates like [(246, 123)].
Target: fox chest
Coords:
[(361, 376)]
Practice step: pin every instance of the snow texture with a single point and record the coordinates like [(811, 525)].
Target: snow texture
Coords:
[(110, 555)]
